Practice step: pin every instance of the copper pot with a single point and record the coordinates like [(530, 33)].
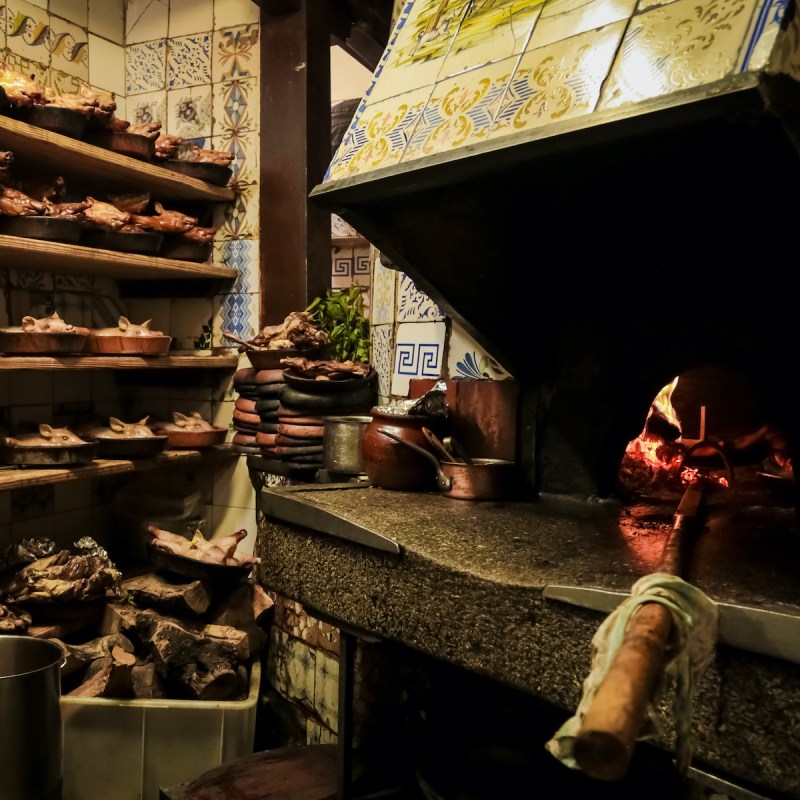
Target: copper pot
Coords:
[(482, 479)]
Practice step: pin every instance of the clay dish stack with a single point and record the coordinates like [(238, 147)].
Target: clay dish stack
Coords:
[(245, 416)]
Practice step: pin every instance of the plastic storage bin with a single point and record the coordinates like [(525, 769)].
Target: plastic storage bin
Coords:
[(130, 749)]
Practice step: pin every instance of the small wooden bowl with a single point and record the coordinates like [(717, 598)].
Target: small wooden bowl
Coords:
[(128, 345)]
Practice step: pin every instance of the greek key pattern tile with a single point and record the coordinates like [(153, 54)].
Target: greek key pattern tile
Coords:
[(418, 353)]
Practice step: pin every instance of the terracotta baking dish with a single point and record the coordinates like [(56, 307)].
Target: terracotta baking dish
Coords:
[(48, 455), (128, 345), (127, 144), (195, 440), (41, 343)]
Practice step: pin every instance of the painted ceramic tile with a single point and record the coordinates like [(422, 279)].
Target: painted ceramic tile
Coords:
[(417, 48), (186, 319), (418, 353), (461, 110), (189, 112), (146, 20), (234, 12), (64, 83), (561, 19), (762, 34), (236, 105), (381, 356), (643, 5), (384, 283), (326, 690), (244, 145), (41, 72), (239, 218), (785, 56), (378, 136), (74, 10), (69, 47), (413, 305), (146, 66), (148, 107), (75, 283), (189, 61), (490, 32), (350, 266), (467, 359), (242, 255), (106, 65), (235, 313), (236, 53), (106, 19), (122, 106), (539, 95), (677, 46), (341, 228), (27, 30), (190, 16)]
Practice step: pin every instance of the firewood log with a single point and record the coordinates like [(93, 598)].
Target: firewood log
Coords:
[(153, 590), (109, 676), (147, 682)]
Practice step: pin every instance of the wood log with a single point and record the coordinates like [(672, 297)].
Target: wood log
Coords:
[(79, 655), (154, 590), (146, 682), (109, 676)]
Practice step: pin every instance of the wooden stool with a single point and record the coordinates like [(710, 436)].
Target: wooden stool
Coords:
[(307, 772)]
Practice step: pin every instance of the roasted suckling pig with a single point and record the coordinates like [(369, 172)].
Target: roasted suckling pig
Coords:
[(14, 203), (105, 215), (132, 203), (151, 130), (21, 90), (167, 146), (220, 550), (222, 158), (297, 332), (64, 576), (71, 211), (198, 235), (326, 370), (43, 188), (164, 221), (14, 620)]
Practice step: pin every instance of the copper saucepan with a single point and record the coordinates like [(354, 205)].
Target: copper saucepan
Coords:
[(483, 479)]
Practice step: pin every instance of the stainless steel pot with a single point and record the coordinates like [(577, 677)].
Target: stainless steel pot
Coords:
[(341, 444), (30, 713)]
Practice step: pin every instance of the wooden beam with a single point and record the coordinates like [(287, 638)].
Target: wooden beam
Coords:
[(295, 153)]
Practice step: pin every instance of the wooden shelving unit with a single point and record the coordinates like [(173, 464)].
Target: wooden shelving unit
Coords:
[(17, 252), (119, 362), (53, 151), (19, 477)]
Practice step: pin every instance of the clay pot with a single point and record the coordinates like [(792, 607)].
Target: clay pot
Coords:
[(387, 463)]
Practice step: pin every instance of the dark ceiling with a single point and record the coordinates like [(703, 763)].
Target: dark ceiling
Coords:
[(362, 27)]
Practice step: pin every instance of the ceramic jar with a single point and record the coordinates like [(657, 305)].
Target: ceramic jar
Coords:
[(387, 463)]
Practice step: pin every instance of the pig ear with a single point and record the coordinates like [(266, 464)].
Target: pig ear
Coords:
[(46, 431), (116, 424), (54, 315), (28, 323), (178, 418), (143, 420), (146, 323), (124, 323), (159, 208)]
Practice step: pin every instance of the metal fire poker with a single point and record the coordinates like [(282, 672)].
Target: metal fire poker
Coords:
[(604, 746)]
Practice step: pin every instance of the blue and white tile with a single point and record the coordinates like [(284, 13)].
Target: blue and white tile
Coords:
[(237, 314), (146, 20), (242, 255), (189, 60), (234, 12), (762, 35), (244, 144), (236, 53), (27, 31), (148, 107), (107, 65), (418, 353), (384, 289), (69, 48), (414, 305), (107, 19), (189, 112), (341, 229), (146, 66), (381, 356), (190, 16), (467, 359), (239, 218), (236, 105)]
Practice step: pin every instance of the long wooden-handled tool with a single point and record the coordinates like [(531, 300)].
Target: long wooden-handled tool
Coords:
[(604, 745)]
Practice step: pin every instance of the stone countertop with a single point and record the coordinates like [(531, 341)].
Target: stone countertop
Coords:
[(468, 587)]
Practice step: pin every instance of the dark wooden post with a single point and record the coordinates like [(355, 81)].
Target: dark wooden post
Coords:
[(295, 248)]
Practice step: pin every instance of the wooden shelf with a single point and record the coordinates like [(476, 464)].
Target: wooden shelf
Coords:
[(19, 477), (119, 362), (17, 252), (62, 154)]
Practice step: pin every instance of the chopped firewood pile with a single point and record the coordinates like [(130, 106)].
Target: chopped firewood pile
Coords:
[(326, 370), (151, 635), (297, 332)]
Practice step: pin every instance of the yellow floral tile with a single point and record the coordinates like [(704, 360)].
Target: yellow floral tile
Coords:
[(491, 32), (561, 19), (762, 35), (677, 46), (461, 110), (379, 135), (558, 82), (417, 47)]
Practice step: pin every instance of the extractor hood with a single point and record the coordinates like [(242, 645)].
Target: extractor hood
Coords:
[(594, 190)]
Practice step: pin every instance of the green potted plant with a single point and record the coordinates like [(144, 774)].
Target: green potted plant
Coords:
[(340, 313)]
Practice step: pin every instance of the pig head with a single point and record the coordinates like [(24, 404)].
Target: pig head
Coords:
[(126, 328), (165, 221), (51, 324), (117, 429), (46, 437), (187, 422)]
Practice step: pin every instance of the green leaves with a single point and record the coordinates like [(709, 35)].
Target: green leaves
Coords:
[(341, 315)]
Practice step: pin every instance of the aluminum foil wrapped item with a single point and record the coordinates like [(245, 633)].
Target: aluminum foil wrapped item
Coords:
[(432, 403), (26, 552)]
